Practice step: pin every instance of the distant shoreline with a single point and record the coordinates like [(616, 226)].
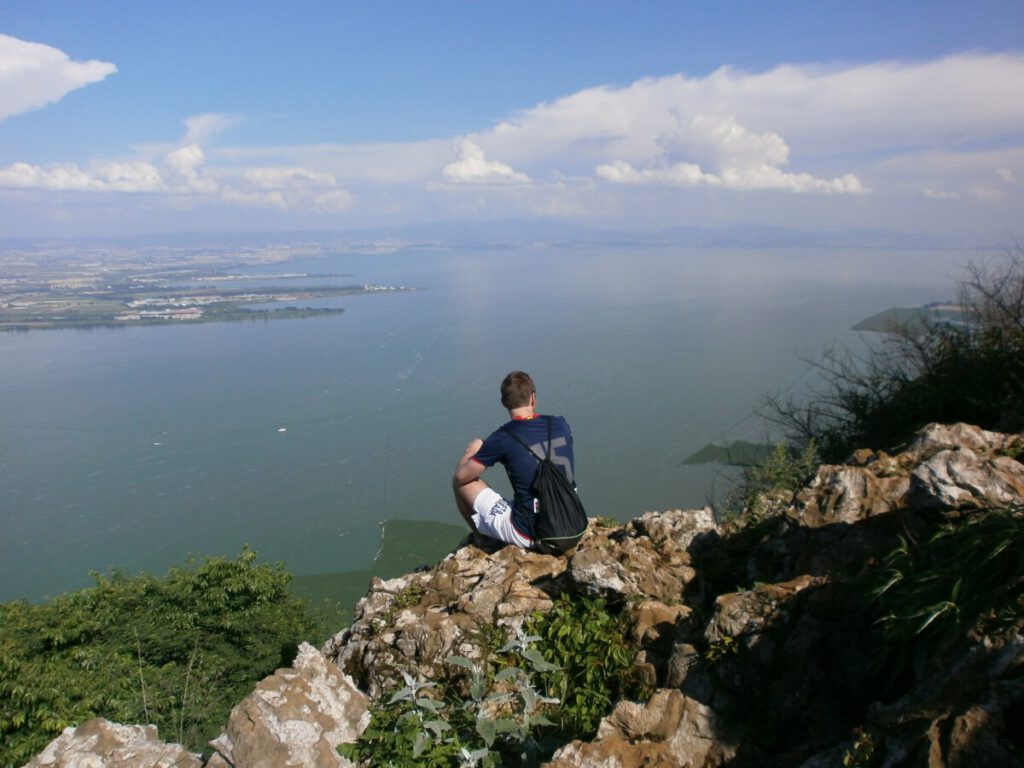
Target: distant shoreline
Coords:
[(172, 307)]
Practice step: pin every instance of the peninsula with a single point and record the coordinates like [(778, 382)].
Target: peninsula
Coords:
[(74, 288)]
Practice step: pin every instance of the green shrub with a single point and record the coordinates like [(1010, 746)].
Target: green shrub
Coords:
[(177, 652), (594, 655)]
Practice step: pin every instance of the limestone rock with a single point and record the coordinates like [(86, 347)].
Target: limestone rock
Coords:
[(648, 557), (100, 743), (965, 714), (946, 467), (744, 616), (674, 529), (653, 621), (295, 718), (416, 622), (963, 479), (943, 437), (670, 730), (847, 494)]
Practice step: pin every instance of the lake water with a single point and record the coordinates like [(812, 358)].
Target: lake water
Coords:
[(135, 447)]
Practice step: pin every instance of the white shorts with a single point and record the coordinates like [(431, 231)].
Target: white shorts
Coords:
[(492, 516)]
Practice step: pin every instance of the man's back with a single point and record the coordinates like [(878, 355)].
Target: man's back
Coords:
[(502, 447), (519, 445)]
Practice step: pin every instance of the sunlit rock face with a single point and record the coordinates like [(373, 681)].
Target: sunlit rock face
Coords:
[(99, 743), (946, 467), (294, 718)]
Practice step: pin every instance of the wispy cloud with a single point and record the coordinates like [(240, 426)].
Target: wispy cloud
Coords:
[(33, 75), (200, 128)]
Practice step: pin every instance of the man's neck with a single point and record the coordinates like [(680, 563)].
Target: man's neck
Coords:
[(522, 414)]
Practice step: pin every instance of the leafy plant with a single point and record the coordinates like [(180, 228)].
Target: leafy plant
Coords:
[(177, 651), (486, 713), (591, 647), (721, 649)]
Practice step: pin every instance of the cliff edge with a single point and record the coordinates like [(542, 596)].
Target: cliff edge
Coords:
[(786, 643)]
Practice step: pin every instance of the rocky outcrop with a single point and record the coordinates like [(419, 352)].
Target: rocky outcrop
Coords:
[(296, 718), (416, 622), (99, 743), (753, 643)]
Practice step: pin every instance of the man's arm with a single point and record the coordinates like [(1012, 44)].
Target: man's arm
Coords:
[(468, 470)]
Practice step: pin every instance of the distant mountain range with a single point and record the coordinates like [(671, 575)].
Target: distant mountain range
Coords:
[(512, 232)]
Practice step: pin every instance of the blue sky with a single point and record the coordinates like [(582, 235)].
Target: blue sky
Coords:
[(125, 117)]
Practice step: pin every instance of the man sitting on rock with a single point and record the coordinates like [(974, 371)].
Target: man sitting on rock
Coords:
[(486, 512)]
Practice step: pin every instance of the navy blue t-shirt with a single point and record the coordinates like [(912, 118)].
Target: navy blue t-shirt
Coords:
[(500, 448)]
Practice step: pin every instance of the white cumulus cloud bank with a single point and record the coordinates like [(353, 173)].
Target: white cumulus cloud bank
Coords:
[(33, 75), (753, 131)]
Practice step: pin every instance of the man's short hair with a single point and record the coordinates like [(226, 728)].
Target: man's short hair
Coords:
[(516, 390)]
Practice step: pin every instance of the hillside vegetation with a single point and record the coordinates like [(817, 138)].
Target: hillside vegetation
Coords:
[(177, 651)]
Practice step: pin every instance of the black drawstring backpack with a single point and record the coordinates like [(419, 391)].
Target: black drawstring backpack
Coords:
[(561, 520)]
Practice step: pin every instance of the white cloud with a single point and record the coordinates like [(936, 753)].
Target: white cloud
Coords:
[(1007, 175), (288, 178), (184, 170), (947, 175), (472, 166), (33, 75), (756, 177), (183, 174), (739, 160), (61, 177), (984, 192), (201, 128), (288, 188), (877, 107)]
